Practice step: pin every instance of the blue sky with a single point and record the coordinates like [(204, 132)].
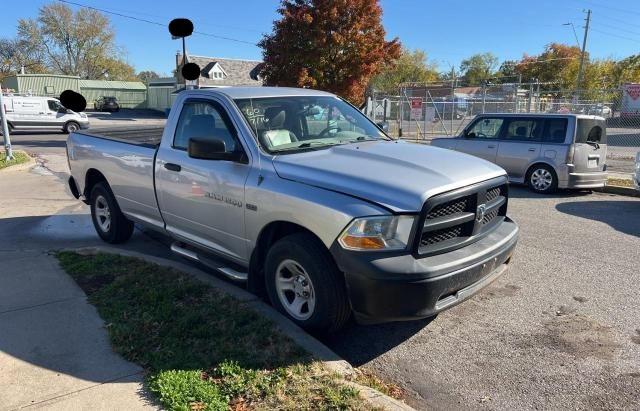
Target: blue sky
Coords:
[(447, 30)]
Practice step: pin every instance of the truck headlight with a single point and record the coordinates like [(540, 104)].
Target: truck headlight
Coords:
[(377, 233)]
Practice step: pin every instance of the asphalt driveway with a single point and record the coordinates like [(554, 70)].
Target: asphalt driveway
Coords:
[(560, 330)]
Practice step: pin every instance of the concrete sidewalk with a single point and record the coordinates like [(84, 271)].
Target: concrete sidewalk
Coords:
[(54, 348)]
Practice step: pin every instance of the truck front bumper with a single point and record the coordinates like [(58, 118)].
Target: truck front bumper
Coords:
[(384, 287)]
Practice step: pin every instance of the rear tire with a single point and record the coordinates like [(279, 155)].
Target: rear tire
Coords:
[(110, 224), (304, 283), (71, 127), (542, 179)]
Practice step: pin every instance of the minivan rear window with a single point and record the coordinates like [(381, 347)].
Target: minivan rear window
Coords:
[(591, 131)]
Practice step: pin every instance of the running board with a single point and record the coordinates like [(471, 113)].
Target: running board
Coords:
[(181, 249)]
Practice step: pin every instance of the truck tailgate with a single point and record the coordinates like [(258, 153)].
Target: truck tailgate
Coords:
[(126, 159)]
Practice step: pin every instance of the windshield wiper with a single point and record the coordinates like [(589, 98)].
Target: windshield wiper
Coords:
[(361, 138), (307, 145), (311, 143)]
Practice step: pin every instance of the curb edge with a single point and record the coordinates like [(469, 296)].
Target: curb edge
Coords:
[(317, 349)]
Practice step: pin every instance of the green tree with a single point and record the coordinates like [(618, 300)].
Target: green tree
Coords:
[(15, 55), (147, 75), (411, 66), (333, 45), (557, 64), (627, 70), (506, 73), (75, 43), (478, 68)]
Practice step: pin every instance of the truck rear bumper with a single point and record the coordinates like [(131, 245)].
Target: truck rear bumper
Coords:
[(402, 287)]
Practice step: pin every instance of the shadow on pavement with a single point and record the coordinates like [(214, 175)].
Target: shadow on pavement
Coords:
[(521, 191), (359, 344), (623, 216), (41, 143)]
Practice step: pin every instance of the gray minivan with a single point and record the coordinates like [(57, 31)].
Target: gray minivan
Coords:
[(544, 151)]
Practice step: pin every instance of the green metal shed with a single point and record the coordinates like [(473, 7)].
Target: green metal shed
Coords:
[(160, 93), (41, 84), (130, 94)]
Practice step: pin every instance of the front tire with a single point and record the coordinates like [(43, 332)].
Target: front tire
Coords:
[(110, 224), (71, 127), (542, 179), (304, 283)]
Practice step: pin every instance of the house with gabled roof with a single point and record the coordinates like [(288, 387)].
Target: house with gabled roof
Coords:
[(222, 72)]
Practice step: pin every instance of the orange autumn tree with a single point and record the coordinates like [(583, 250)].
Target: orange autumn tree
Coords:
[(332, 45)]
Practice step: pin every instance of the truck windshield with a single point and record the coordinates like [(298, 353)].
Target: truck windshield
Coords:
[(289, 124)]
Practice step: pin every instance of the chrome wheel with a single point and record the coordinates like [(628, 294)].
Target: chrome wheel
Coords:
[(541, 179), (295, 290), (103, 214)]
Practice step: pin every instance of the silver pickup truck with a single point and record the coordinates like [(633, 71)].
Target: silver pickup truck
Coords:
[(307, 200)]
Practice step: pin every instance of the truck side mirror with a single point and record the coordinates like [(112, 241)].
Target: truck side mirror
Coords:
[(212, 149), (384, 126)]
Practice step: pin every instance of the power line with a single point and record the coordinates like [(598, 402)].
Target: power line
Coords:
[(152, 22), (614, 9), (518, 63), (606, 33), (619, 29), (622, 21)]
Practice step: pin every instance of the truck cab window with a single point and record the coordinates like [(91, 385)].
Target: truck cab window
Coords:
[(203, 120)]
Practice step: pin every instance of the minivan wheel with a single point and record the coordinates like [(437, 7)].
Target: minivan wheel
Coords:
[(304, 283), (71, 127), (542, 179), (110, 224)]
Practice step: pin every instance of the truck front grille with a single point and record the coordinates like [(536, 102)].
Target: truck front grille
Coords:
[(439, 236), (455, 219), (448, 208)]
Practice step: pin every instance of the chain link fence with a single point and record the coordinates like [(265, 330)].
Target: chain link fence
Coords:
[(422, 112)]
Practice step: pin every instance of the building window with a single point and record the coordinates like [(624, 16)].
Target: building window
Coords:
[(49, 90)]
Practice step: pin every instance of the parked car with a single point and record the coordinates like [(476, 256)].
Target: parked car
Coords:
[(41, 113), (326, 216), (600, 110), (636, 176), (544, 151), (107, 104)]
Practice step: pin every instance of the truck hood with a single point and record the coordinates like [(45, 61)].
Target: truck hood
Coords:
[(395, 174)]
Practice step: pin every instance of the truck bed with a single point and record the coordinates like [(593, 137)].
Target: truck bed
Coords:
[(140, 136), (125, 156)]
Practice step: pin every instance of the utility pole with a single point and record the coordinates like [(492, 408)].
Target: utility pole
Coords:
[(5, 129), (584, 47)]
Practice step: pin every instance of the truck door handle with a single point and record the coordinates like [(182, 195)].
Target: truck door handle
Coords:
[(172, 167), (532, 149), (491, 146)]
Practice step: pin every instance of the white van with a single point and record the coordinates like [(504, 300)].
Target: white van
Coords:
[(41, 113)]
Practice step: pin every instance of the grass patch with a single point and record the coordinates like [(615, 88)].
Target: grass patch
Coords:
[(620, 182), (203, 349), (368, 378), (19, 157)]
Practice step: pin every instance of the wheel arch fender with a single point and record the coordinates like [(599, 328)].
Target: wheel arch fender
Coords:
[(269, 235), (92, 177)]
